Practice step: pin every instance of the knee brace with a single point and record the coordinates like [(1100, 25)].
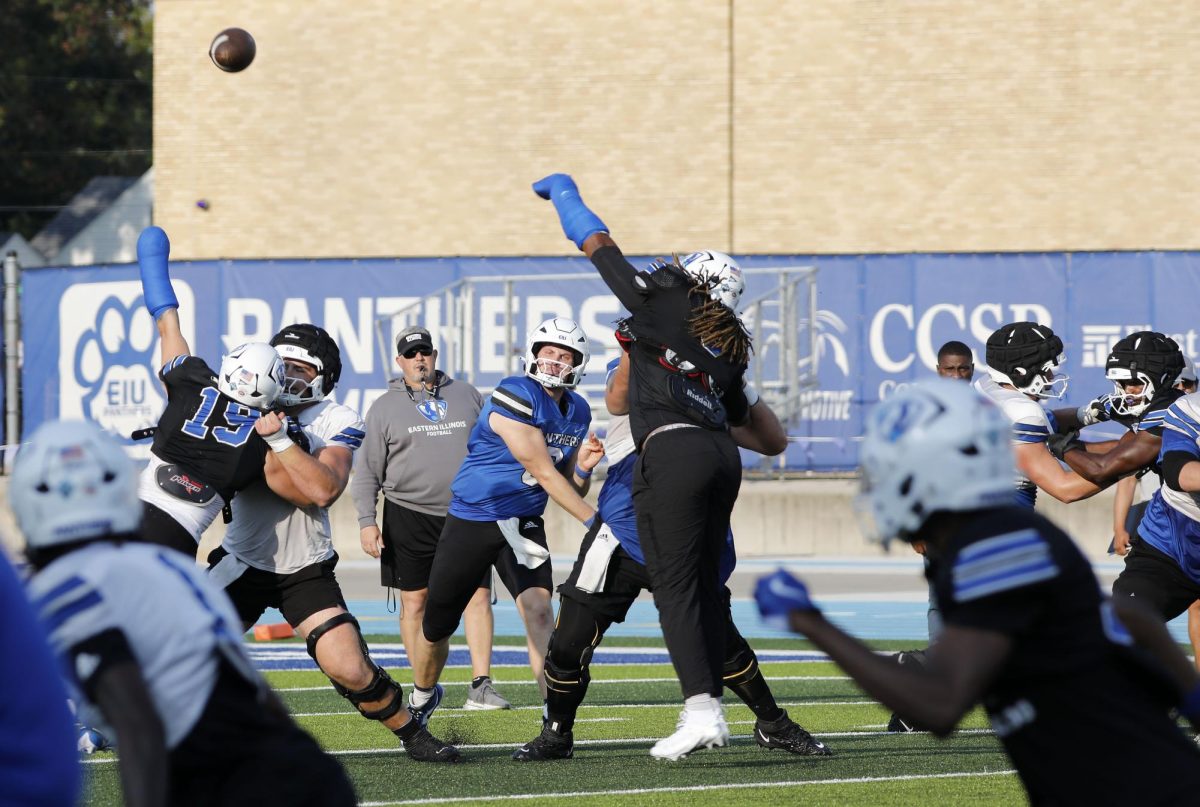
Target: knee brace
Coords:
[(570, 675), (344, 618), (381, 683), (741, 667)]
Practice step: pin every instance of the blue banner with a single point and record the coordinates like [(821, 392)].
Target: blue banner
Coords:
[(90, 346)]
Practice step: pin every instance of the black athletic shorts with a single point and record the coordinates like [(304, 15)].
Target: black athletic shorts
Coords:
[(625, 580), (242, 752), (298, 595), (465, 551), (1155, 579), (160, 527), (410, 540)]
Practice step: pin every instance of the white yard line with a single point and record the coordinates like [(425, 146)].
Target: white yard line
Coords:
[(697, 788), (671, 680)]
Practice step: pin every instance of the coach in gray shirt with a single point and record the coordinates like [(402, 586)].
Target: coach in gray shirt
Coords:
[(416, 437)]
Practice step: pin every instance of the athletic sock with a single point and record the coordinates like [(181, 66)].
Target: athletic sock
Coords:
[(407, 731), (756, 694), (478, 680), (420, 696), (702, 703)]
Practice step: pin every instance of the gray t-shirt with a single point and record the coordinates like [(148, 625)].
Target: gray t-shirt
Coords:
[(415, 442)]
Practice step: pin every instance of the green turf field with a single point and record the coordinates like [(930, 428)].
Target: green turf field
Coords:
[(630, 706)]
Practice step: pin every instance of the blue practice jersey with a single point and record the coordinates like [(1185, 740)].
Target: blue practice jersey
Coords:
[(491, 484), (1172, 520), (39, 763)]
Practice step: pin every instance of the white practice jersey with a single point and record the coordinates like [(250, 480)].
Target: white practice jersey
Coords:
[(1031, 423), (271, 533), (176, 623)]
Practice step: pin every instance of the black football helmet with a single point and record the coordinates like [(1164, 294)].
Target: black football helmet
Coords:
[(1024, 354), (311, 345), (1146, 357)]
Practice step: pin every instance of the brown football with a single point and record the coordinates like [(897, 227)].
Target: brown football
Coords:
[(232, 50)]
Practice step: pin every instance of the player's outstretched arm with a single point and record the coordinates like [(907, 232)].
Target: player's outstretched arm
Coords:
[(124, 698), (961, 664), (586, 459), (1147, 629), (1035, 461), (153, 252), (1135, 450), (616, 387), (528, 447), (1122, 502)]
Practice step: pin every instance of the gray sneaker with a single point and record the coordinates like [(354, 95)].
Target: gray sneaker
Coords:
[(485, 697)]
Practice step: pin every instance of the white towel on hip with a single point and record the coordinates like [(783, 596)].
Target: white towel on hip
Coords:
[(530, 554)]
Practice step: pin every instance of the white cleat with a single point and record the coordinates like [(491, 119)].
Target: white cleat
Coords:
[(694, 731)]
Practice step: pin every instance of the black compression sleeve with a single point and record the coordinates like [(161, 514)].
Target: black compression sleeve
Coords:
[(619, 274), (102, 651), (1172, 464)]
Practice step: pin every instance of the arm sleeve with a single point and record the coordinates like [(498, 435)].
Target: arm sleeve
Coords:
[(620, 276)]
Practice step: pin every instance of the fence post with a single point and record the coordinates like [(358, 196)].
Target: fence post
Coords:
[(12, 351)]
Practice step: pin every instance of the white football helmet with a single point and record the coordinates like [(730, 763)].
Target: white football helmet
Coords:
[(565, 333), (720, 273), (72, 482), (937, 445), (252, 374)]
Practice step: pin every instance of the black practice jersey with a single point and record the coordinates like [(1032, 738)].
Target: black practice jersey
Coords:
[(204, 431), (1081, 712), (673, 378)]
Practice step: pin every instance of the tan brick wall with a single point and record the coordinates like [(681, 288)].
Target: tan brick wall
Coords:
[(375, 128)]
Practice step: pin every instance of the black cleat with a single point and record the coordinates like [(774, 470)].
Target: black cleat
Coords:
[(786, 733), (550, 744), (424, 747), (898, 725)]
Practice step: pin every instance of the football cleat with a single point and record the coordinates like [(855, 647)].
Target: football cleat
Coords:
[(694, 731), (550, 744), (424, 747), (421, 714), (787, 734)]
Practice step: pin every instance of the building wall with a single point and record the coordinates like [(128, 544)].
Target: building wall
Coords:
[(828, 126)]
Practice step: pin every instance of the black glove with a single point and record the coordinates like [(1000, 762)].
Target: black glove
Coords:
[(1060, 444), (624, 335)]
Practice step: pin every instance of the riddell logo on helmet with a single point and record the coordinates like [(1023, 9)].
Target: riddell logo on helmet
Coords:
[(107, 354)]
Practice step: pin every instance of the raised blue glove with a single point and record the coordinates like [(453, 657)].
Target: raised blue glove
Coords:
[(578, 222), (152, 251), (777, 595)]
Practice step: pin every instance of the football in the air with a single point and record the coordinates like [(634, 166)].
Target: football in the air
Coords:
[(232, 50)]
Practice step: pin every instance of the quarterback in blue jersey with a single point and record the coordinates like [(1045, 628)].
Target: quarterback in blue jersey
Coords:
[(611, 572), (530, 444), (1061, 670)]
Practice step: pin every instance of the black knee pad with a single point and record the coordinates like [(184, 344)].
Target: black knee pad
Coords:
[(569, 656), (741, 667)]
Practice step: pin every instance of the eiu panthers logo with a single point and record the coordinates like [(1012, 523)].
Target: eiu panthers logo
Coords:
[(433, 409), (113, 365)]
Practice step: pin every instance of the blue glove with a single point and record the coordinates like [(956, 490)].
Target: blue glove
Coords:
[(577, 221), (777, 595), (152, 251)]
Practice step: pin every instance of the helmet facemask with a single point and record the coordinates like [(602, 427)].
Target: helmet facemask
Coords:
[(562, 333)]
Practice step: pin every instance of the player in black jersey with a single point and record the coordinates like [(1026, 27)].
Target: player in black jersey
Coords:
[(1064, 674), (205, 446), (687, 369)]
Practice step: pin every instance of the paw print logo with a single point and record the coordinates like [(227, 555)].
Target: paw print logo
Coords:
[(108, 354), (114, 361)]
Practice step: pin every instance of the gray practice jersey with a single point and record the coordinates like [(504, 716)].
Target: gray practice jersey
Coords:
[(415, 443), (176, 623), (274, 535)]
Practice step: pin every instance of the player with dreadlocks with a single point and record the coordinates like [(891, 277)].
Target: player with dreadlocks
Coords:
[(687, 367)]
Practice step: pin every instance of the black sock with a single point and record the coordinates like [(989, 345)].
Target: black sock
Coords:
[(407, 731), (478, 680), (755, 693)]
